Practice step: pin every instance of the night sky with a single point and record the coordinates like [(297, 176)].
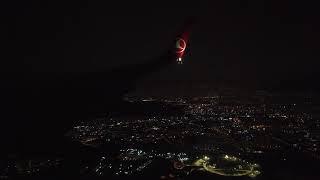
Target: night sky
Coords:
[(251, 44)]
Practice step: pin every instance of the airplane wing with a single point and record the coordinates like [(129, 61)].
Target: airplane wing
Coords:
[(42, 105)]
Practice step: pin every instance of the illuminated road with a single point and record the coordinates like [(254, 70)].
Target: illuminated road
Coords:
[(240, 168)]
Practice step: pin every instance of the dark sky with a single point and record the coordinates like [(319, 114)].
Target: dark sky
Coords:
[(254, 44)]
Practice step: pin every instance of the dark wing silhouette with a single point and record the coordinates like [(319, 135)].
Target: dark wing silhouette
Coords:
[(39, 107)]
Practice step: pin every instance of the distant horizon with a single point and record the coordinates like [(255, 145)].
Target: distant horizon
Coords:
[(181, 88)]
